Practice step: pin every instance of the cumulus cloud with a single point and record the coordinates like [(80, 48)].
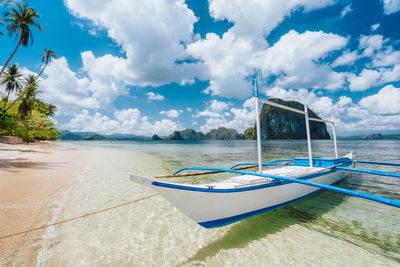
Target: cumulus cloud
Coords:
[(323, 106), (153, 96), (173, 113), (253, 20), (125, 121), (371, 114), (371, 44), (294, 58), (150, 36), (366, 79), (62, 87), (385, 102), (235, 56), (390, 6), (347, 58), (235, 118), (215, 109)]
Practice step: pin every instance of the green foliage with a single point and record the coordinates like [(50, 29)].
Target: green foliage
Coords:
[(249, 133), (36, 126), (26, 116), (19, 21)]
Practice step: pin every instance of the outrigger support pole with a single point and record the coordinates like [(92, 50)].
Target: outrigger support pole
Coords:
[(258, 126), (334, 136), (308, 135)]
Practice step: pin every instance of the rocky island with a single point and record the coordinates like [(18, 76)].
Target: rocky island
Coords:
[(276, 123)]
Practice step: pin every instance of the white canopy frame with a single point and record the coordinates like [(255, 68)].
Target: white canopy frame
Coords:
[(307, 118)]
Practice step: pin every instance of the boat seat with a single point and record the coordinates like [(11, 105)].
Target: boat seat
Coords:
[(248, 179)]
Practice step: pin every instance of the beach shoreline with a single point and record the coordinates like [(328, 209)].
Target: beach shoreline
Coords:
[(30, 174)]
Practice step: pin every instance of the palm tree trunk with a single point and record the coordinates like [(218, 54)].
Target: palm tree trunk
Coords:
[(8, 61), (26, 89), (5, 102)]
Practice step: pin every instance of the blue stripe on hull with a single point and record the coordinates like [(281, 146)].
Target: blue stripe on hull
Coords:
[(229, 220)]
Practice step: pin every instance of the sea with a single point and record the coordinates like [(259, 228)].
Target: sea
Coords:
[(325, 229)]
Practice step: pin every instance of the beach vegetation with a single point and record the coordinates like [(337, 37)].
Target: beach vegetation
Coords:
[(11, 81), (22, 112)]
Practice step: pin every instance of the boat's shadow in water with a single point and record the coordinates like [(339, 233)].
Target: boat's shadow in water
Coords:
[(260, 226)]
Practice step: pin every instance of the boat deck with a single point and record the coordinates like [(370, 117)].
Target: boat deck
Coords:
[(250, 180)]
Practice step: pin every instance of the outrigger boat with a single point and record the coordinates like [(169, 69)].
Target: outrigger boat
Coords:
[(250, 193)]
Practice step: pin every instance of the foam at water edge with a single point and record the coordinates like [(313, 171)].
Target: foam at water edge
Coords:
[(50, 236)]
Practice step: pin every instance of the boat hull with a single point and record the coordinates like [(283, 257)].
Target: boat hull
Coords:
[(214, 208)]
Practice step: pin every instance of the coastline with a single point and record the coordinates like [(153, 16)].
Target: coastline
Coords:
[(30, 174)]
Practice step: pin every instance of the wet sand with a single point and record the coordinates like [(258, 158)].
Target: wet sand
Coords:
[(30, 174)]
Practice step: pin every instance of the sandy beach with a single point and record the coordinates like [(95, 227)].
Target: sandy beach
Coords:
[(30, 174)]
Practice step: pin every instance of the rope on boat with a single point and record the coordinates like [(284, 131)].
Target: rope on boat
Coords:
[(78, 217)]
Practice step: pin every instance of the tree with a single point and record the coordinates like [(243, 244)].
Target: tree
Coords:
[(47, 56), (20, 19), (12, 81), (29, 99)]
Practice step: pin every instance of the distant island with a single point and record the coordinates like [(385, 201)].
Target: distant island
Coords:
[(375, 136), (276, 124)]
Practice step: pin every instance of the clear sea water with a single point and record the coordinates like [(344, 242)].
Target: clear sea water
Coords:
[(326, 229)]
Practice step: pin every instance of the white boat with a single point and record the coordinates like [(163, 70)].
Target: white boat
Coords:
[(251, 193), (221, 203)]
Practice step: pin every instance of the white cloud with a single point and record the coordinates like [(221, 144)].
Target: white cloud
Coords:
[(125, 121), (387, 58), (346, 10), (347, 58), (150, 36), (368, 78), (231, 59), (215, 109), (218, 106), (254, 20), (173, 113), (62, 87), (391, 6), (242, 118), (153, 96), (348, 115), (323, 106), (371, 44), (295, 59), (385, 102), (391, 74), (375, 27), (84, 122), (226, 60)]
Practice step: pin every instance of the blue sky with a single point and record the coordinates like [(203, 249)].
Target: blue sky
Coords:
[(151, 67)]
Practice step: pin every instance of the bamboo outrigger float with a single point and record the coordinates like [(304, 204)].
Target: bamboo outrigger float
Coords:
[(250, 193)]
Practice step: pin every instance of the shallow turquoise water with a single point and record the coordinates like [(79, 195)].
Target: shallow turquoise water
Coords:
[(325, 229)]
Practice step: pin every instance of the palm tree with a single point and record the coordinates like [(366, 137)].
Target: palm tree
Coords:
[(47, 56), (46, 110), (19, 21), (29, 99), (12, 81)]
